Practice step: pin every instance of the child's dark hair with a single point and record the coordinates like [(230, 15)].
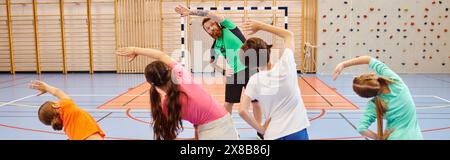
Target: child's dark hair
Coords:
[(255, 53), (50, 116)]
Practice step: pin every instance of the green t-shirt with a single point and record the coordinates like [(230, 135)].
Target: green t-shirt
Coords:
[(229, 44), (401, 113)]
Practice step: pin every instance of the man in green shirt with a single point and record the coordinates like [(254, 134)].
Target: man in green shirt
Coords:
[(228, 40)]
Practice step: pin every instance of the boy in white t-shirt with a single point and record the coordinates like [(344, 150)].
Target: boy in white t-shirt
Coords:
[(275, 86)]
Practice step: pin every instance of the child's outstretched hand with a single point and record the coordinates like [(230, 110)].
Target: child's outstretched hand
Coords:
[(183, 11), (129, 52), (337, 71), (39, 85), (252, 26)]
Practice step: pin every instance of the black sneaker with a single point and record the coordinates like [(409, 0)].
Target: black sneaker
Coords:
[(260, 136)]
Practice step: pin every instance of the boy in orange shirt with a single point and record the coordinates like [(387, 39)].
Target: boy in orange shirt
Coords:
[(77, 123)]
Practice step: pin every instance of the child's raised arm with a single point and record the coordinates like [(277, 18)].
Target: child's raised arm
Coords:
[(254, 26), (133, 52), (183, 11), (44, 88), (352, 62)]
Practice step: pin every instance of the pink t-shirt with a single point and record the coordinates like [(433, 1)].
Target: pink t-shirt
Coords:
[(198, 107)]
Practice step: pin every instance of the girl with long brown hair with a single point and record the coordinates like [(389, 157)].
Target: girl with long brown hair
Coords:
[(391, 100), (174, 96)]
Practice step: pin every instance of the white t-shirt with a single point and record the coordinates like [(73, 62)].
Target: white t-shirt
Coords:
[(279, 96)]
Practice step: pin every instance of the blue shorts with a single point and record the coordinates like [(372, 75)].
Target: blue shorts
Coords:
[(300, 135)]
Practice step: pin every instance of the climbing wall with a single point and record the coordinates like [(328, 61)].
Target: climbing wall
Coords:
[(411, 36)]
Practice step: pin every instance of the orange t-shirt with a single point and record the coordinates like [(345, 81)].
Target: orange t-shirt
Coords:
[(78, 124)]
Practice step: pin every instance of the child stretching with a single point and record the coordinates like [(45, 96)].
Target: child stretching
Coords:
[(64, 114), (391, 100)]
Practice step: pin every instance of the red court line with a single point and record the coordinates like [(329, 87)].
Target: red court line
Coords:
[(311, 102), (118, 138), (323, 90), (134, 118), (347, 138), (341, 138), (319, 97), (119, 96), (334, 90), (59, 133), (104, 104), (436, 129), (322, 113)]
